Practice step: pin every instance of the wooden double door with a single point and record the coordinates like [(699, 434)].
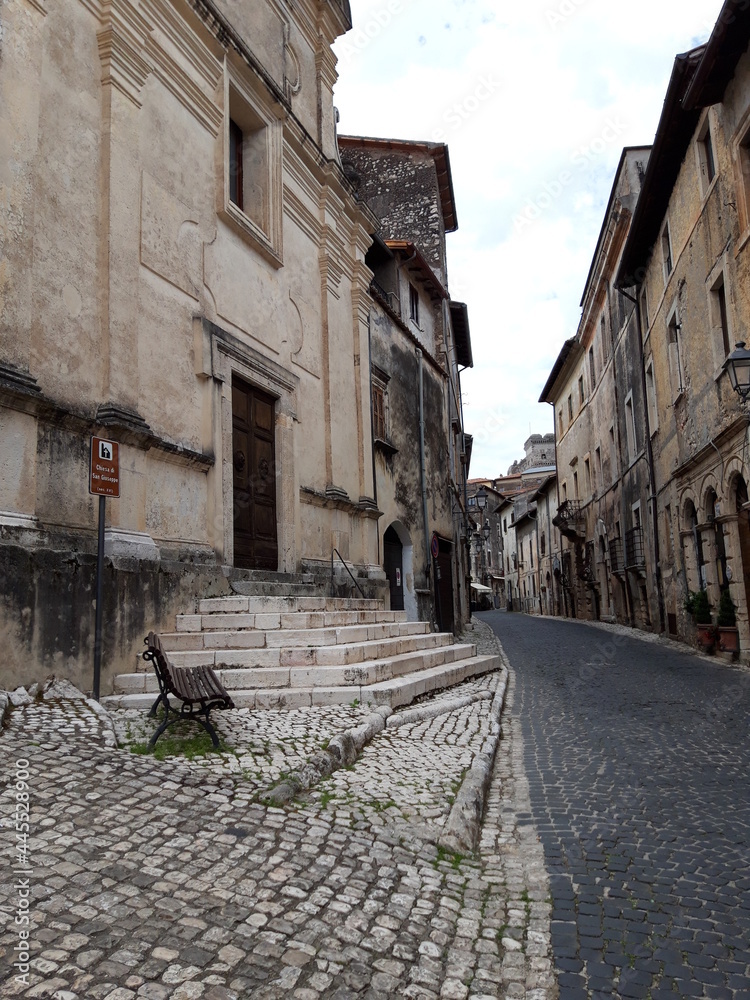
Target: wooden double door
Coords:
[(254, 468)]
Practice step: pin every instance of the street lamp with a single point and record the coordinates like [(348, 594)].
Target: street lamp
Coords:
[(737, 366), (482, 494), (487, 530)]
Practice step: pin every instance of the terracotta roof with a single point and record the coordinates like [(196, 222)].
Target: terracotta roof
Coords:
[(418, 264)]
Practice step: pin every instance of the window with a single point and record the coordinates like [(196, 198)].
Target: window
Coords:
[(380, 380), (644, 312), (251, 199), (413, 304), (706, 157), (236, 189), (559, 422), (743, 156), (592, 368), (587, 472), (564, 492), (581, 392), (603, 333), (675, 358), (378, 412), (630, 427), (612, 453), (543, 543), (575, 485), (570, 407), (598, 466), (505, 525), (653, 416), (720, 317), (666, 250)]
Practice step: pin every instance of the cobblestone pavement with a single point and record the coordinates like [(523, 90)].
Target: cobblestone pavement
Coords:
[(170, 879), (637, 756)]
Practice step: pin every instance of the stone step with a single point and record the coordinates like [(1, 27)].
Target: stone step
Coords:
[(269, 621), (232, 638), (364, 673), (284, 605), (278, 654), (394, 692)]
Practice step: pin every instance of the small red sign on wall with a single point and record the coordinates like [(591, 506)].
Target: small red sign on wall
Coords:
[(104, 478)]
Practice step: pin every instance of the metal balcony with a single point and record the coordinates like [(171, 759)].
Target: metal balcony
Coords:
[(616, 556), (570, 519), (634, 555)]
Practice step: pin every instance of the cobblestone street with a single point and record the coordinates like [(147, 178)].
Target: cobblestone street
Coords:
[(637, 755), (171, 878)]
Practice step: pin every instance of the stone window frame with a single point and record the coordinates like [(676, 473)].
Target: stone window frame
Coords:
[(665, 241), (674, 352), (719, 314), (651, 396), (631, 433), (251, 110), (741, 156), (705, 151)]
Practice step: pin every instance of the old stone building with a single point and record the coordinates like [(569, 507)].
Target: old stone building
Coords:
[(603, 451), (183, 273), (686, 260), (419, 341)]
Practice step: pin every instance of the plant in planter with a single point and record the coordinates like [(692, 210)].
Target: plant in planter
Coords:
[(727, 624), (697, 605)]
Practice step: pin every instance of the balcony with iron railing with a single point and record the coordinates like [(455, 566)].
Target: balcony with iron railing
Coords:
[(390, 299), (616, 555), (570, 519), (634, 554)]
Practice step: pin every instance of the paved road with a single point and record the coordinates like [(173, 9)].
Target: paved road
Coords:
[(637, 756), (134, 878)]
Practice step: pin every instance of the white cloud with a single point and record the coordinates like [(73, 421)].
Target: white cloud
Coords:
[(535, 106)]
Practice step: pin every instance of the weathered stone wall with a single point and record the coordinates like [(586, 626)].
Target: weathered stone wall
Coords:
[(699, 433), (404, 194)]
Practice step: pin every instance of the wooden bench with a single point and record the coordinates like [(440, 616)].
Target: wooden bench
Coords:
[(197, 688)]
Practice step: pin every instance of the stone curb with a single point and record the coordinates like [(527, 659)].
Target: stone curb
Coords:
[(431, 711), (341, 751), (461, 831)]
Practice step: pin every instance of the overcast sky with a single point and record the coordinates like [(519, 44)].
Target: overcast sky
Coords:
[(535, 99)]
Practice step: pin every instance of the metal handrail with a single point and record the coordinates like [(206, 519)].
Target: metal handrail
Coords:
[(336, 552)]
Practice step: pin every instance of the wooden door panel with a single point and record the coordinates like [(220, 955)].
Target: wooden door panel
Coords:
[(254, 477)]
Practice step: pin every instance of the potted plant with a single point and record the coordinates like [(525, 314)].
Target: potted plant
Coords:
[(729, 639), (697, 605)]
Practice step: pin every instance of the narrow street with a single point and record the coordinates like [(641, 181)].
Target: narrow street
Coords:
[(637, 758)]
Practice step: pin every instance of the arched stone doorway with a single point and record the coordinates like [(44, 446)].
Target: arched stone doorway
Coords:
[(398, 563)]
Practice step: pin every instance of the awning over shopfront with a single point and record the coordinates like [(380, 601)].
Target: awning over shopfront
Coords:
[(481, 589)]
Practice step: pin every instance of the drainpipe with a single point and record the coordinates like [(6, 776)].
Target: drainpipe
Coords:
[(651, 471), (423, 466), (372, 424)]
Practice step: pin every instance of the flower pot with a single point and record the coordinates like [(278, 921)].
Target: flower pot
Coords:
[(706, 637), (729, 639)]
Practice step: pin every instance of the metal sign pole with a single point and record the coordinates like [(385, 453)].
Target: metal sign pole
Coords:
[(104, 481), (99, 600)]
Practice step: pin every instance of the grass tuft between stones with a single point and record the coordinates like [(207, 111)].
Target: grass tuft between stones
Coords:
[(188, 747)]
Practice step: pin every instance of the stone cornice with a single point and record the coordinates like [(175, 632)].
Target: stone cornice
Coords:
[(329, 501)]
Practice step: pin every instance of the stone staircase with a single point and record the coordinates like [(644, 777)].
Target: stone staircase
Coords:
[(290, 651)]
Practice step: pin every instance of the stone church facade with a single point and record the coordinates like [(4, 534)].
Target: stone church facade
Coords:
[(183, 273)]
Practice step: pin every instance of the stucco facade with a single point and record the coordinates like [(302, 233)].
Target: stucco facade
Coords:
[(156, 268)]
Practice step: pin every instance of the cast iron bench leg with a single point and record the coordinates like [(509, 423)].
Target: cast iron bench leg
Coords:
[(206, 723), (166, 722)]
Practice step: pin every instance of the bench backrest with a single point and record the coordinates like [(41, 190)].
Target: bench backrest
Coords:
[(160, 661)]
